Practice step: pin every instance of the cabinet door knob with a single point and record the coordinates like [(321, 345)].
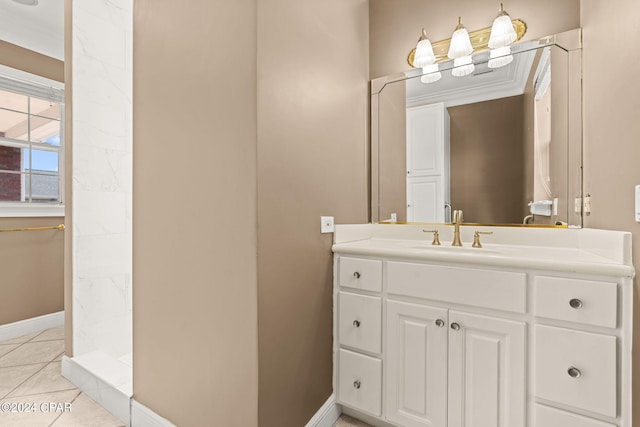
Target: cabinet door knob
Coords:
[(356, 384), (574, 372), (439, 323), (356, 275), (356, 323), (575, 303), (455, 326)]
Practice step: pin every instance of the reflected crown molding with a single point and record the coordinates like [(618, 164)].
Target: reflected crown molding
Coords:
[(486, 85)]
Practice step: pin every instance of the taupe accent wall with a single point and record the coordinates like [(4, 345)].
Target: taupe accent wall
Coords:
[(32, 62), (611, 108), (312, 160), (488, 160), (395, 25), (32, 263), (195, 339)]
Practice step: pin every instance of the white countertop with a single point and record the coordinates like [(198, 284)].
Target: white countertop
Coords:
[(555, 257)]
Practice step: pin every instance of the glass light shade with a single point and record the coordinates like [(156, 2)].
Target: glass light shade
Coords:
[(502, 32), (500, 57), (462, 66), (460, 43), (431, 74), (424, 54)]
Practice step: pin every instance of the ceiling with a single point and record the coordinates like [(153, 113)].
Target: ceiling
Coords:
[(39, 28)]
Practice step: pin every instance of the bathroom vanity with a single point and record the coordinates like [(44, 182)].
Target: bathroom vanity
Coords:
[(533, 329)]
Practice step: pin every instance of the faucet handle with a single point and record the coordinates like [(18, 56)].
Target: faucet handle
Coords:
[(476, 238), (436, 236)]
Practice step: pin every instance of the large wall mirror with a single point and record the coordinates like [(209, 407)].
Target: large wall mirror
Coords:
[(502, 144)]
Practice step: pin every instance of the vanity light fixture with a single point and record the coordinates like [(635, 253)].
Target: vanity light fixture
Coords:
[(479, 42), (502, 36), (425, 59), (460, 51)]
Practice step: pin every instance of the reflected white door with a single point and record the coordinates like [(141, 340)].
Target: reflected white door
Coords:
[(425, 199), (427, 163)]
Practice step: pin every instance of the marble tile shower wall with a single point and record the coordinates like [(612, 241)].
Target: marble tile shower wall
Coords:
[(102, 175)]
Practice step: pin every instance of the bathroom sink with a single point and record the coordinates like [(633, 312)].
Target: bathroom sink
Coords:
[(457, 249)]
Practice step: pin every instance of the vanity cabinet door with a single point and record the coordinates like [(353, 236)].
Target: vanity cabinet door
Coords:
[(416, 371), (486, 371)]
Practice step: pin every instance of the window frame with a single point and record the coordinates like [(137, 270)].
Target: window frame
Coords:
[(42, 88)]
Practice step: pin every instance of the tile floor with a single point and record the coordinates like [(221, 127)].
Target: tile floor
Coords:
[(30, 380), (347, 421)]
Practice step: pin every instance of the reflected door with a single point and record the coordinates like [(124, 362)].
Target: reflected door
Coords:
[(427, 163)]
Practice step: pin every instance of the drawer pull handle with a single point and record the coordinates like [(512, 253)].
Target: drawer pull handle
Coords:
[(575, 303), (439, 323), (356, 323), (455, 326), (356, 275), (356, 384), (574, 372)]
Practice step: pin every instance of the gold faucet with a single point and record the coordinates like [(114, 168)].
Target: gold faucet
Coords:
[(457, 220)]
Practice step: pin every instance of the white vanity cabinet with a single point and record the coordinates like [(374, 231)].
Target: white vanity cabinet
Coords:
[(441, 361), (416, 364), (429, 343)]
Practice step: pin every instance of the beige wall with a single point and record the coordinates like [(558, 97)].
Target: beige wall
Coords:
[(312, 138), (487, 166), (32, 62), (612, 129), (395, 25), (194, 214), (32, 269), (31, 262)]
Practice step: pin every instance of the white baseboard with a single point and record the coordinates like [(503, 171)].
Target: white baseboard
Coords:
[(106, 395), (28, 326), (327, 415), (141, 416)]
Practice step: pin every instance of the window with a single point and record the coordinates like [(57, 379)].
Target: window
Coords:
[(31, 146)]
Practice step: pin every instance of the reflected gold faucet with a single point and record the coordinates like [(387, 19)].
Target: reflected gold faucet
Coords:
[(457, 220)]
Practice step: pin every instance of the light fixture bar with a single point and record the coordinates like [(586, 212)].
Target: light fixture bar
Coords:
[(479, 41)]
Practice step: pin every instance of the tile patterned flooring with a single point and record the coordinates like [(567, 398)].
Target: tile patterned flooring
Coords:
[(30, 377), (30, 381)]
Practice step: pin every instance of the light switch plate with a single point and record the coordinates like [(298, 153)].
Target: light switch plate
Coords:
[(326, 224)]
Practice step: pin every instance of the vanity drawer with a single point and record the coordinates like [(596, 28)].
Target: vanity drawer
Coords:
[(592, 386), (573, 300), (360, 322), (358, 273), (500, 290), (551, 417), (360, 382)]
